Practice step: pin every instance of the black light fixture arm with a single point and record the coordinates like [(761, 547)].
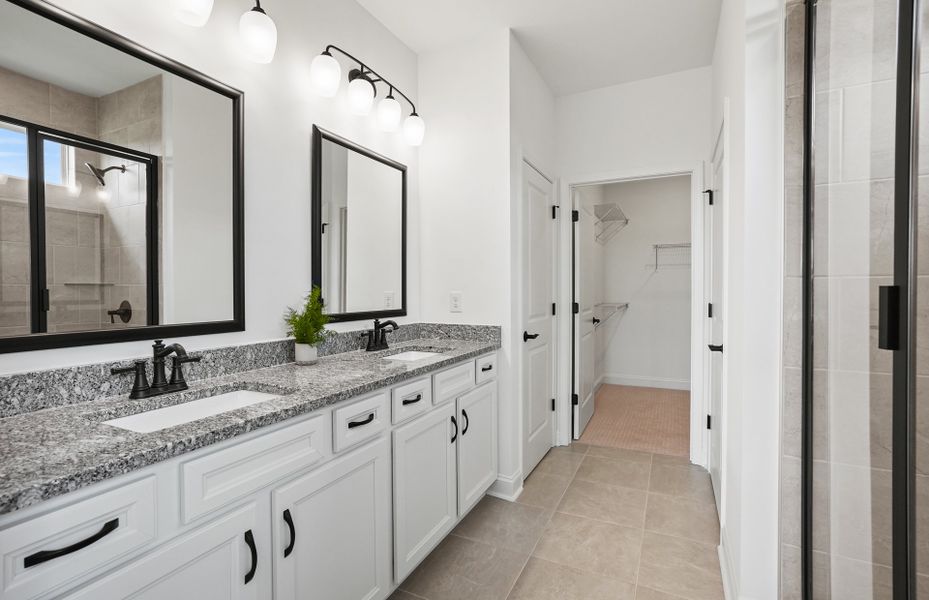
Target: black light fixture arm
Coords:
[(366, 70)]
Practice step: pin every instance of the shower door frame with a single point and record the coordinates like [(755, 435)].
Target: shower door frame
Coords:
[(898, 323)]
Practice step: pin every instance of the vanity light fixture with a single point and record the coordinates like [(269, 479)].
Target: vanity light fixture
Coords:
[(326, 75), (193, 12), (259, 34)]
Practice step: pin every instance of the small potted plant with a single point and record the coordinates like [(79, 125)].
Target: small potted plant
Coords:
[(307, 327)]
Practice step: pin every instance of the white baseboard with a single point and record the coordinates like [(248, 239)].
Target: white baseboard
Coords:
[(651, 382), (507, 487), (730, 587)]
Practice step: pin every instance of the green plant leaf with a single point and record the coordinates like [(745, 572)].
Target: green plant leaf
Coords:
[(308, 326)]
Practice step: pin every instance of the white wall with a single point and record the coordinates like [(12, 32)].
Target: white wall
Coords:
[(280, 110), (648, 345), (638, 126)]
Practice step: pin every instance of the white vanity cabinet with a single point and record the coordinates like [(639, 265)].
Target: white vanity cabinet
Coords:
[(477, 445), (332, 529)]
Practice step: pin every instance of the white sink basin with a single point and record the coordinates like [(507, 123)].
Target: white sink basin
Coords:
[(179, 414), (412, 355)]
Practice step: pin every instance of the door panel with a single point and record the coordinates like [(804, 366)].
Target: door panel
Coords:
[(715, 325), (477, 445), (538, 292), (585, 366)]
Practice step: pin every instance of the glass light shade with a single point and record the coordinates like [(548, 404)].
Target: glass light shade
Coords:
[(259, 36), (193, 12), (388, 114), (360, 96), (414, 129), (325, 75)]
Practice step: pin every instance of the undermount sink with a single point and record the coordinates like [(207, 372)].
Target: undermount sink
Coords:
[(170, 416), (412, 355)]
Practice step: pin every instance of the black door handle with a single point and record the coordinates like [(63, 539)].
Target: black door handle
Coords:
[(250, 540), (412, 400), (355, 424), (596, 321), (529, 336), (487, 368), (888, 320), (715, 348), (293, 533), (455, 435), (47, 555), (467, 421)]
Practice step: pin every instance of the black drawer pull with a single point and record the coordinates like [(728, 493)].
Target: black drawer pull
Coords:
[(529, 336), (467, 422), (714, 348), (487, 368), (455, 435), (355, 424), (413, 400), (47, 555), (250, 540), (293, 533)]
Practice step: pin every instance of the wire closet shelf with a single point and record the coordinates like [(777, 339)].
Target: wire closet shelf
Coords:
[(610, 220), (671, 256)]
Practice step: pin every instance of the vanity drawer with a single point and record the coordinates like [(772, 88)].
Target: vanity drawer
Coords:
[(485, 368), (60, 549), (215, 480), (451, 383), (360, 421), (411, 399)]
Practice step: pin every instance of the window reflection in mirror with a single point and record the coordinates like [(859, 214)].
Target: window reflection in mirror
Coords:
[(129, 222)]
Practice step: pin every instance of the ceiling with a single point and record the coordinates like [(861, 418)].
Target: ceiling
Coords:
[(577, 46)]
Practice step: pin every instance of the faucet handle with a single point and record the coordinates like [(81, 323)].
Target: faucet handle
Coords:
[(177, 374), (140, 384)]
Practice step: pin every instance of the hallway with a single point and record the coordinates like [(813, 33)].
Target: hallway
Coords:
[(593, 523)]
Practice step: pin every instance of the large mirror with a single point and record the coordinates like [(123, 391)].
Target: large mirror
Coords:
[(120, 188), (359, 225)]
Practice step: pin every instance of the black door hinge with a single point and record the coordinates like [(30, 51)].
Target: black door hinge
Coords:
[(577, 308), (575, 216), (554, 211), (553, 309), (709, 194), (46, 301), (574, 400), (709, 310), (553, 405), (709, 422)]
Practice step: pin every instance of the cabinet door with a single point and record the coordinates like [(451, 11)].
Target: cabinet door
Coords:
[(332, 530), (477, 445), (425, 495), (215, 562)]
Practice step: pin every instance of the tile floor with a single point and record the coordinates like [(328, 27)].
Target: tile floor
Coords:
[(639, 418), (593, 523)]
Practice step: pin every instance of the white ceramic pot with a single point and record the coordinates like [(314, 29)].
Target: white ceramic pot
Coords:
[(306, 354)]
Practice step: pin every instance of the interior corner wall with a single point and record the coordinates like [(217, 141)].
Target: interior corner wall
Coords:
[(280, 111)]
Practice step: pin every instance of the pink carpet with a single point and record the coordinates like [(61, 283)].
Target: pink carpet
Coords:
[(638, 418)]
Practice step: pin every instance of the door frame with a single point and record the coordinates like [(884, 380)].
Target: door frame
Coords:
[(565, 318)]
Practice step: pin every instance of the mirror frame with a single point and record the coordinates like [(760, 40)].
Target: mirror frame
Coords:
[(320, 134), (43, 341)]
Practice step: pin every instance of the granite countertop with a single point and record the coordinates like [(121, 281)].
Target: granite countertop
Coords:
[(50, 452)]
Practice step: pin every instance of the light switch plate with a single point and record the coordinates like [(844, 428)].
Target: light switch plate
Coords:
[(455, 302), (389, 299)]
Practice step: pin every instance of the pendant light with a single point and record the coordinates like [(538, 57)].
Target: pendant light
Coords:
[(361, 93), (325, 75), (414, 129), (259, 34), (193, 12), (388, 113)]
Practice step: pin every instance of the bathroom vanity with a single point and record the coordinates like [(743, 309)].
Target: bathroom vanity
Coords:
[(332, 481)]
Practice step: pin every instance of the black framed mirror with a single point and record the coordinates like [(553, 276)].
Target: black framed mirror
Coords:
[(121, 188), (359, 229)]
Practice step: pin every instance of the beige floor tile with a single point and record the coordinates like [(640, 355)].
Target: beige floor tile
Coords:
[(543, 580), (461, 569), (619, 453), (692, 482), (619, 505), (504, 524), (680, 567), (670, 459), (643, 593), (560, 462), (625, 473), (682, 517), (577, 447), (401, 595), (543, 490), (591, 546)]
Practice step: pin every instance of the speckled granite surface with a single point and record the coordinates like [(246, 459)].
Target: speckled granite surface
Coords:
[(50, 452)]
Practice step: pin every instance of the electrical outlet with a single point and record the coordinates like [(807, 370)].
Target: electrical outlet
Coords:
[(455, 302), (388, 299)]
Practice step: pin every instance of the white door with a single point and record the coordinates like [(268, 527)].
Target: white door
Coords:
[(714, 275), (332, 530), (585, 324), (477, 445), (215, 562), (425, 486), (538, 334)]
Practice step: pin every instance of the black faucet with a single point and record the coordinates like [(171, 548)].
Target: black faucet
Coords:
[(160, 384), (377, 337)]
